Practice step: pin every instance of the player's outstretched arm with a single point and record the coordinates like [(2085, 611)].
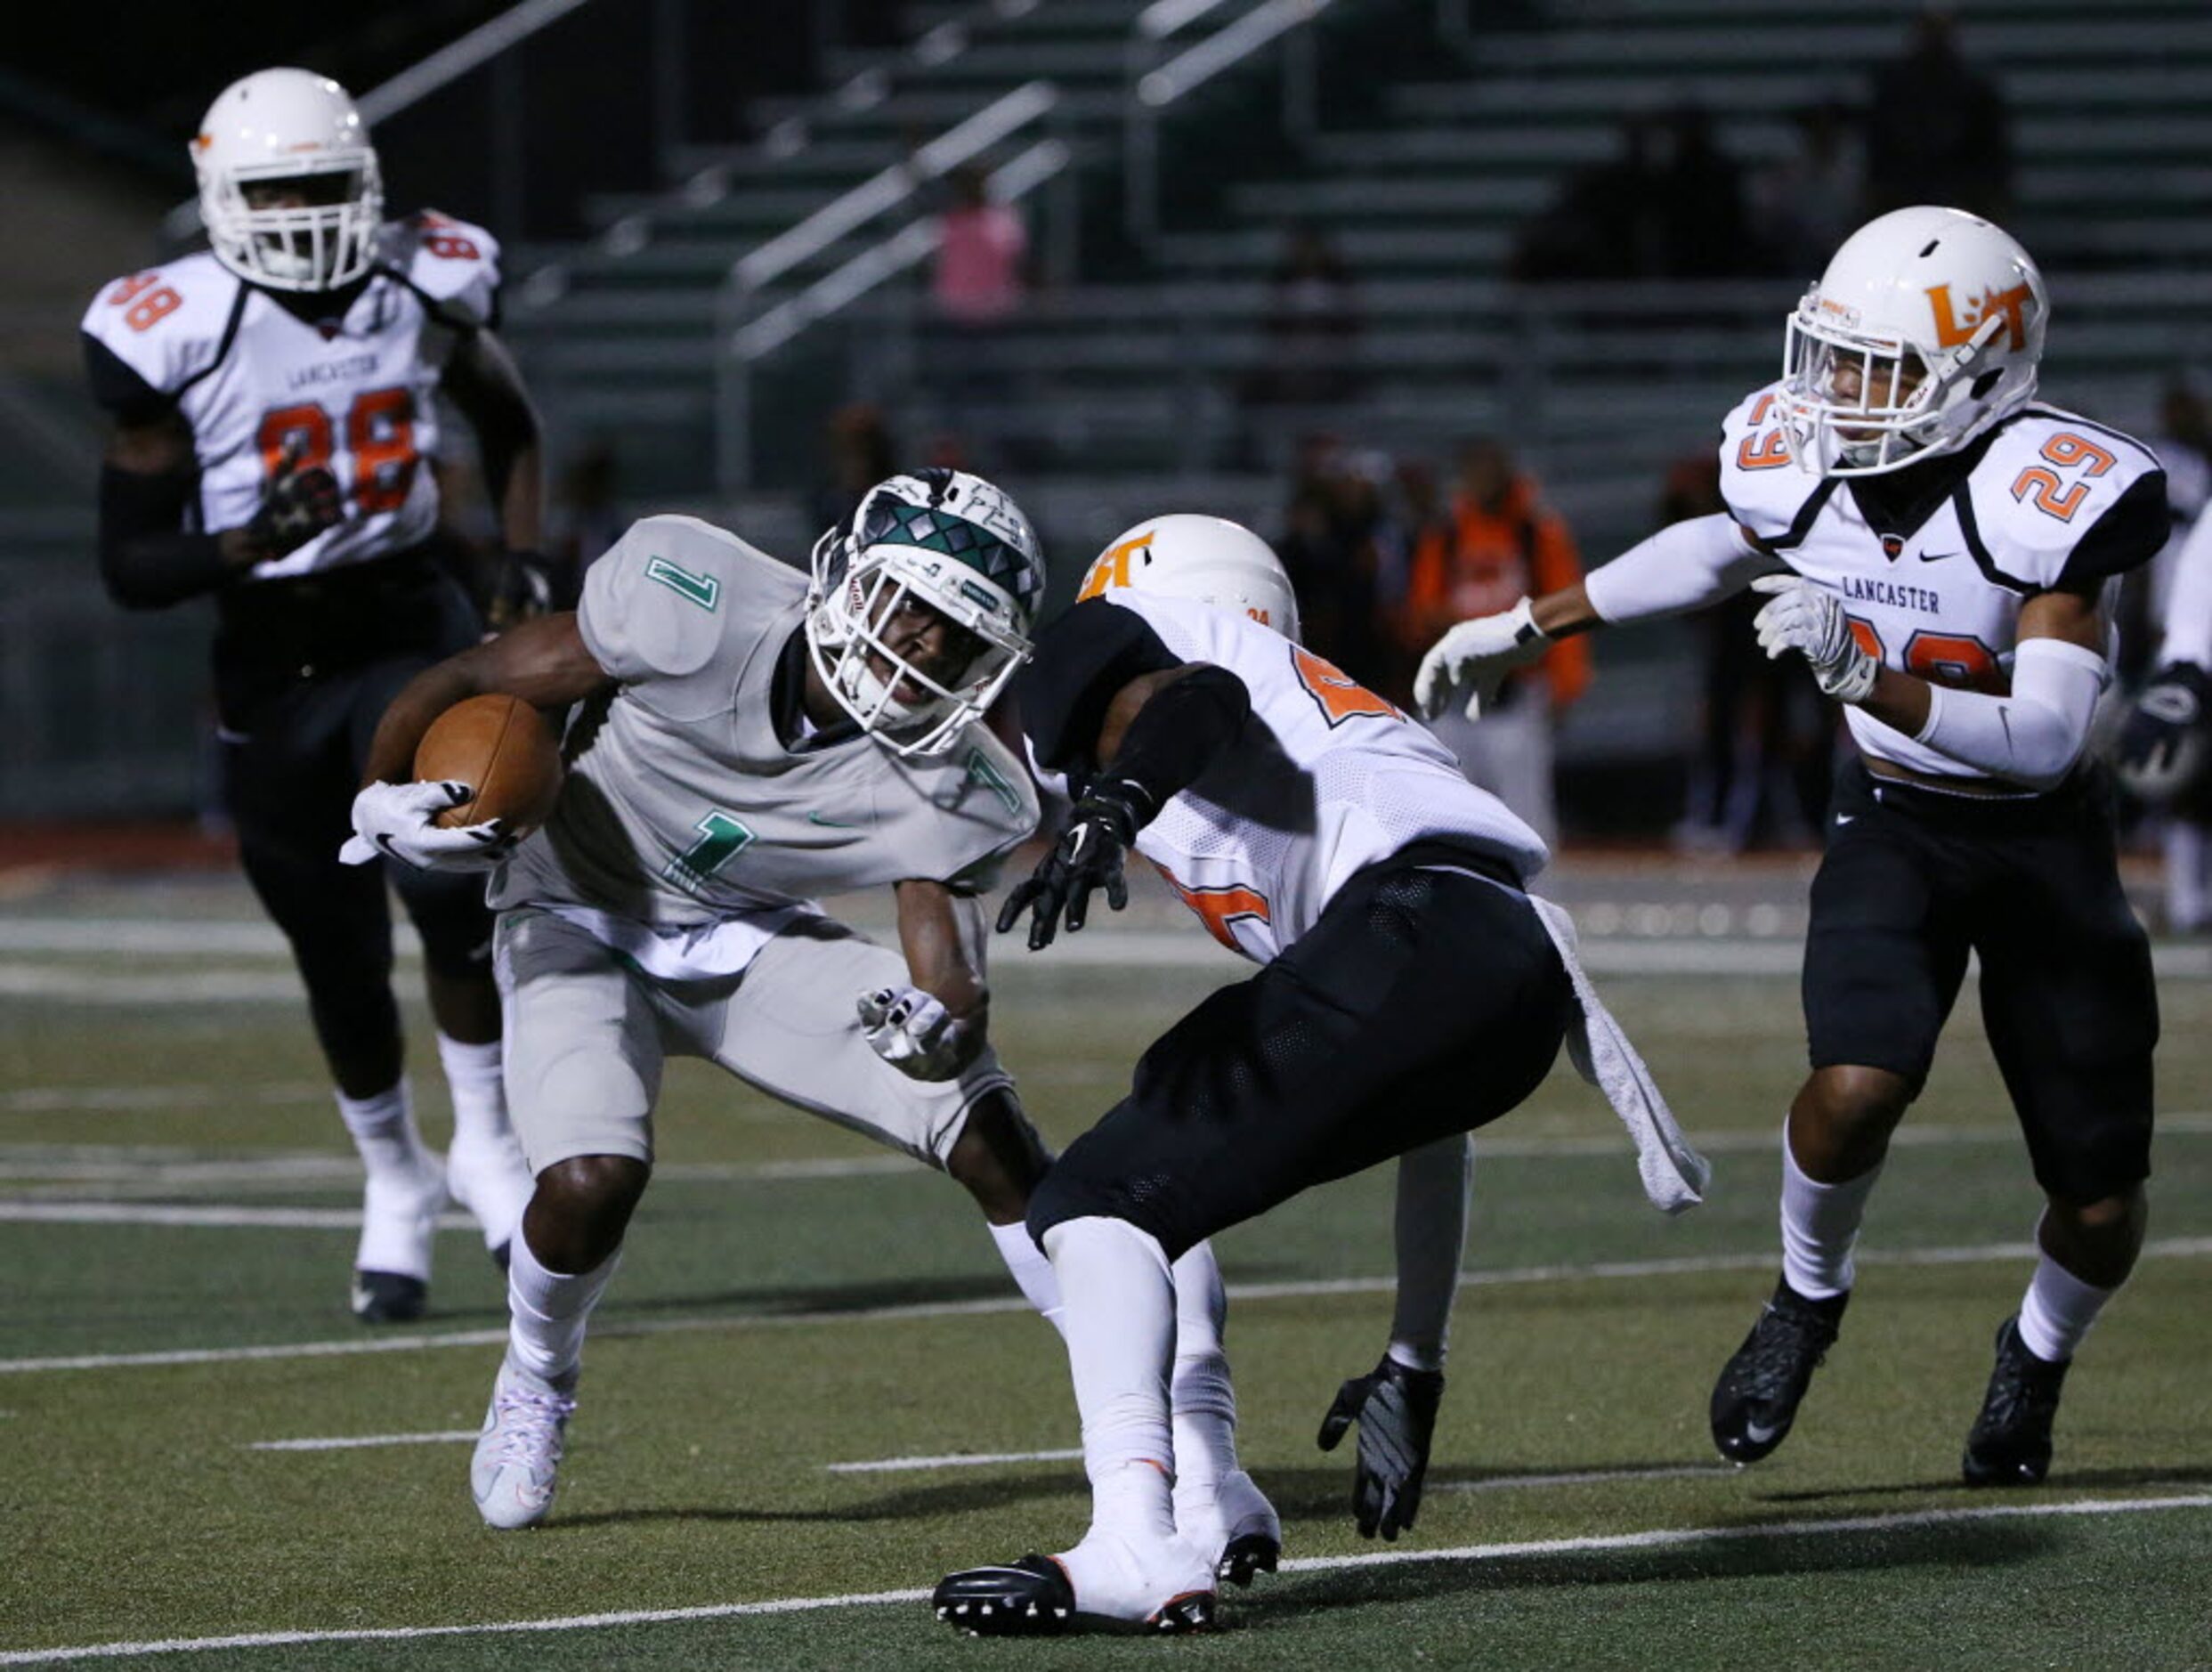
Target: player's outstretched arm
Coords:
[(1158, 732), (1685, 566), (933, 1028)]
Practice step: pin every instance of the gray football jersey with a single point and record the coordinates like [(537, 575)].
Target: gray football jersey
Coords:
[(683, 806)]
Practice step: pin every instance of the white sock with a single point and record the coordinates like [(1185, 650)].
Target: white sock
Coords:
[(1820, 1227), (2186, 874), (473, 1078), (548, 1311), (1203, 1398), (1032, 1272), (2057, 1310), (1120, 1324), (384, 1131)]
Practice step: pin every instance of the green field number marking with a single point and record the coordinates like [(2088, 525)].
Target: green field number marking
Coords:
[(704, 590), (721, 838)]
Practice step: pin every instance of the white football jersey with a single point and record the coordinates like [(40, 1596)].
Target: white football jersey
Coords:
[(255, 381), (1327, 779), (1942, 600)]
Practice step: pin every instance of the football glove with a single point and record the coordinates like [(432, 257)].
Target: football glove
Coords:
[(915, 1033), (1396, 1410), (2164, 739), (393, 821), (1087, 856), (1475, 657), (300, 502), (1809, 620), (522, 589)]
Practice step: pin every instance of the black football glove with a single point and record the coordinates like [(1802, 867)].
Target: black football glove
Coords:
[(2165, 739), (1396, 1410), (300, 502), (1087, 856)]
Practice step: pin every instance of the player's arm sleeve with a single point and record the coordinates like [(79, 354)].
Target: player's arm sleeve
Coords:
[(149, 556), (1430, 1231), (1083, 661), (1685, 566), (652, 607), (2032, 736)]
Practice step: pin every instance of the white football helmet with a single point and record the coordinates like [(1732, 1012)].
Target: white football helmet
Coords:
[(1206, 558), (1926, 329), (289, 125), (961, 546)]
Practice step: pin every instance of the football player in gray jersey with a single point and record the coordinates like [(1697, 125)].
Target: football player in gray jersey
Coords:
[(745, 741)]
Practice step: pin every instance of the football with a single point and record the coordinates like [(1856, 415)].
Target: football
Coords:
[(502, 749)]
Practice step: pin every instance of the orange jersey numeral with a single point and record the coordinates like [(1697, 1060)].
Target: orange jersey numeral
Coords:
[(1958, 659), (380, 435), (1218, 908), (1762, 452), (2053, 497), (1339, 697), (144, 299)]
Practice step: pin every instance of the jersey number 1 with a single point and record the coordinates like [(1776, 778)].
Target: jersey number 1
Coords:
[(379, 435)]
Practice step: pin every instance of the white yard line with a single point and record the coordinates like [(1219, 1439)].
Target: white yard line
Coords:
[(951, 1460), (225, 1217), (354, 1442), (2169, 1248), (1657, 1538), (1582, 1477)]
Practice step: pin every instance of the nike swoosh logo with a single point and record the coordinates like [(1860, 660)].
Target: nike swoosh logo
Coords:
[(1936, 556), (1845, 818), (1759, 1434), (829, 824)]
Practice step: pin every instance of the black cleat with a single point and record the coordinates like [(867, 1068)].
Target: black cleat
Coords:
[(1755, 1401), (388, 1297), (2011, 1442), (1029, 1598), (1247, 1556)]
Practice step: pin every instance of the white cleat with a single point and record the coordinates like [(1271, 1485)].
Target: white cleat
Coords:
[(399, 1213), (1155, 1584), (1232, 1526), (488, 1176), (518, 1451)]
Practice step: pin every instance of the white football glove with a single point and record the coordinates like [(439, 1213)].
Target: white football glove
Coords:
[(1811, 621), (393, 820), (914, 1033), (1476, 656)]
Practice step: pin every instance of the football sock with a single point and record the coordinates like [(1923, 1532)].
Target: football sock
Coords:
[(472, 1074), (1203, 1398), (2186, 874), (1433, 1186), (384, 1131), (548, 1311), (1820, 1227), (2057, 1310), (1032, 1272), (1120, 1324)]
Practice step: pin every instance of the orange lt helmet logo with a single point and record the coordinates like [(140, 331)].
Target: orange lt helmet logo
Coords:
[(1111, 568), (1950, 330)]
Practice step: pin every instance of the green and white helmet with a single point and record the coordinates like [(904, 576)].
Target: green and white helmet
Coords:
[(960, 545)]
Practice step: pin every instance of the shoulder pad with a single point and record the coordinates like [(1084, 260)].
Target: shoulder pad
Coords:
[(455, 264), (2047, 481), (1764, 488), (168, 324), (662, 601), (999, 786)]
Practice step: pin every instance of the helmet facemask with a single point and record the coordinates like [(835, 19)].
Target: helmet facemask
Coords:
[(873, 577), (1907, 405), (317, 245)]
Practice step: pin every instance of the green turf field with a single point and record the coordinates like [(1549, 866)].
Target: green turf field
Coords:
[(173, 1196)]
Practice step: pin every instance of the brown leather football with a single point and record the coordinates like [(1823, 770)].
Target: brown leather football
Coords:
[(502, 749)]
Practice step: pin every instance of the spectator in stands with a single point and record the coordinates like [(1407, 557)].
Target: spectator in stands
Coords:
[(1938, 130), (1606, 222), (861, 455), (1333, 535), (1808, 201), (1311, 326), (588, 517), (1498, 541), (982, 253), (1704, 231), (1764, 739)]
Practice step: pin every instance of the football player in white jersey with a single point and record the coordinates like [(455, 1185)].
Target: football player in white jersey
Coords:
[(1936, 544), (2163, 745), (747, 742), (1410, 991), (273, 433)]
